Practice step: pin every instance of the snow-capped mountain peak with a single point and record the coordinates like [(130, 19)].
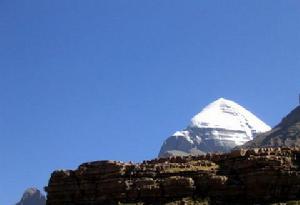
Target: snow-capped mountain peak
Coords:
[(220, 126), (229, 115)]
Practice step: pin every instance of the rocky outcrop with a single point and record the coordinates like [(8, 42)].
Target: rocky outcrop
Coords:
[(254, 176), (286, 133), (32, 196)]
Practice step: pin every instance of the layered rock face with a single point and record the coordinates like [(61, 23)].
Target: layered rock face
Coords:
[(254, 176), (32, 196), (219, 127), (286, 133)]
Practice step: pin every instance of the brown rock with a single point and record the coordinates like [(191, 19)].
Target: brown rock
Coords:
[(264, 175)]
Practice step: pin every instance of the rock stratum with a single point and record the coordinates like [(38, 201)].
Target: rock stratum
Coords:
[(244, 176)]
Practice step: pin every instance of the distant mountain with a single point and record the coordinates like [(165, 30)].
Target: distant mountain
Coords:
[(219, 127), (286, 133), (32, 196)]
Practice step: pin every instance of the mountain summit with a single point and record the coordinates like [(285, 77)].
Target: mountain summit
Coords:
[(32, 196), (219, 127)]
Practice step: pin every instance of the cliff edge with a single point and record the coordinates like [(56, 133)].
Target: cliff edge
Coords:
[(254, 176)]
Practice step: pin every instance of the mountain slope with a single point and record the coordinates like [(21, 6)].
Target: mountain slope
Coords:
[(32, 196), (219, 127), (286, 133)]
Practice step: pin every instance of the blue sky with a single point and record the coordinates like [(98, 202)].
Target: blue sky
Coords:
[(91, 80)]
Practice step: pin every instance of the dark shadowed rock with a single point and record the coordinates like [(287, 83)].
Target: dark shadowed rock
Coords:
[(32, 196)]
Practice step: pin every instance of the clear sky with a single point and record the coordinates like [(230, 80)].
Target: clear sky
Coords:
[(90, 80)]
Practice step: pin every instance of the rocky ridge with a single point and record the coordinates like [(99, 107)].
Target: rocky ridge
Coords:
[(286, 133), (244, 176)]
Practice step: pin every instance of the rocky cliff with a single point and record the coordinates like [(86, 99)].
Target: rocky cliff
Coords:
[(254, 176)]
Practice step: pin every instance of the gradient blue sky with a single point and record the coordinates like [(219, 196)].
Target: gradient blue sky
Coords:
[(91, 80)]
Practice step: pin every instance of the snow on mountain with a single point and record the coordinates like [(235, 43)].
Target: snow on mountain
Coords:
[(219, 127), (229, 115)]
